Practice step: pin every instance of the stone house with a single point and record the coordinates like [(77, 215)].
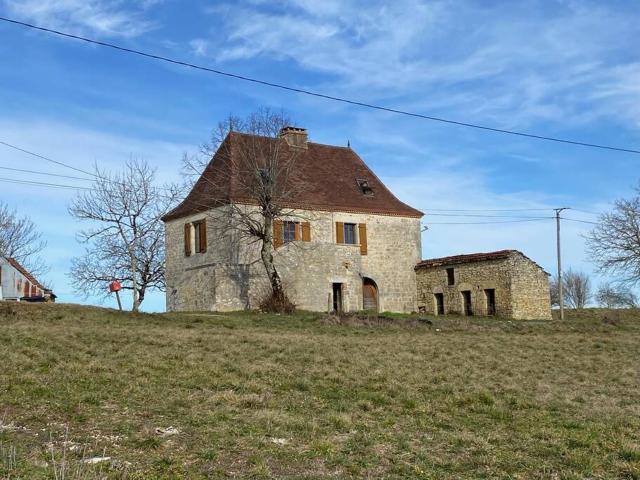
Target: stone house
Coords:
[(505, 283), (347, 243)]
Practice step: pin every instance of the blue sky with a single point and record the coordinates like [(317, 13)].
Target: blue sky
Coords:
[(566, 69)]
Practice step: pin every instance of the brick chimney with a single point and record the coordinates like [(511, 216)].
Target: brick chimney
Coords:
[(295, 137)]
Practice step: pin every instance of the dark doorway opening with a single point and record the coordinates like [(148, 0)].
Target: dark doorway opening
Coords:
[(369, 295), (337, 297), (466, 303), (490, 293), (439, 303)]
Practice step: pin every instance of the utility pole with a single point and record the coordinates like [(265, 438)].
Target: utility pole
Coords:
[(560, 287)]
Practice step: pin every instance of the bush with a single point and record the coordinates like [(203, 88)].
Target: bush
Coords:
[(277, 302)]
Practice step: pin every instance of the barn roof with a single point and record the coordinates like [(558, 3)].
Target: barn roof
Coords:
[(471, 258), (322, 177)]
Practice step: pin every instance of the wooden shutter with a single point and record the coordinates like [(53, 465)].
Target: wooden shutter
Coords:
[(297, 231), (203, 236), (339, 232), (362, 233), (187, 239), (306, 232), (278, 233)]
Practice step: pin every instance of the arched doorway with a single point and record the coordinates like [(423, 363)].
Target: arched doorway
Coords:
[(369, 295)]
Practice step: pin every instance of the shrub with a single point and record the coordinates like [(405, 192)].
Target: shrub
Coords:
[(277, 302)]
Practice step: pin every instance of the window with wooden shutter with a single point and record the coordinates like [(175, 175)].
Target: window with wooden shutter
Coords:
[(203, 236), (278, 233), (339, 232), (349, 236), (362, 233), (187, 239), (290, 231), (306, 232), (200, 229)]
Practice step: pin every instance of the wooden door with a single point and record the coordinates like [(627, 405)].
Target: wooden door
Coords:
[(369, 295)]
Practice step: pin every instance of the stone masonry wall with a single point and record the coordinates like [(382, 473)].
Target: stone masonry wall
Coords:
[(521, 288), (230, 276), (474, 277), (530, 286)]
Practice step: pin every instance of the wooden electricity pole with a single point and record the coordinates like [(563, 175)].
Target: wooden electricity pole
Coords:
[(560, 287)]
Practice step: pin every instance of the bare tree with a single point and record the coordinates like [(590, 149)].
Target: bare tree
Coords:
[(21, 240), (577, 288), (260, 169), (616, 296), (614, 244), (125, 239)]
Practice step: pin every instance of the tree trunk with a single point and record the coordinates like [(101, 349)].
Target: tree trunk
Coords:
[(266, 253), (134, 281)]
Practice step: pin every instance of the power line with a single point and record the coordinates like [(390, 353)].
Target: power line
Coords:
[(45, 173), (42, 184), (96, 177), (585, 211), (490, 209), (480, 216), (579, 221), (47, 158), (313, 93), (491, 222)]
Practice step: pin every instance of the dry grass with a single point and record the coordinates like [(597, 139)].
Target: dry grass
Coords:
[(260, 396)]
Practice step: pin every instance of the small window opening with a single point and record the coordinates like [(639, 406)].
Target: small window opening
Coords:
[(451, 277), (199, 230), (365, 188), (289, 231), (350, 233)]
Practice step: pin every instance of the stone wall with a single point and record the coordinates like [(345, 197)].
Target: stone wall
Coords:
[(530, 284), (230, 276), (521, 288)]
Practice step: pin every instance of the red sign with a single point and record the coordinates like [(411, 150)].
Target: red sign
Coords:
[(115, 286)]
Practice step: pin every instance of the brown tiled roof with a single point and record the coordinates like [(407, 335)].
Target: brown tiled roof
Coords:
[(15, 264), (470, 258), (324, 177)]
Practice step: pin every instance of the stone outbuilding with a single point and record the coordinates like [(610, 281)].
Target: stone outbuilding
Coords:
[(505, 283)]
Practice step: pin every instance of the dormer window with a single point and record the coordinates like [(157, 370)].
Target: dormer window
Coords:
[(365, 188)]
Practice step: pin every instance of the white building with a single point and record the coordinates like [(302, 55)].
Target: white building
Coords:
[(16, 282)]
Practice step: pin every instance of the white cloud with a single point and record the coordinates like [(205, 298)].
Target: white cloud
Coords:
[(105, 17), (516, 62), (199, 46)]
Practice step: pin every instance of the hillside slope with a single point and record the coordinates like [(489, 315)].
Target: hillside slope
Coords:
[(246, 395)]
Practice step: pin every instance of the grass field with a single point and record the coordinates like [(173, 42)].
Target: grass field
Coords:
[(256, 396)]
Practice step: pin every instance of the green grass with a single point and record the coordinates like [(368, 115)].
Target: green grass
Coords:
[(267, 396)]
